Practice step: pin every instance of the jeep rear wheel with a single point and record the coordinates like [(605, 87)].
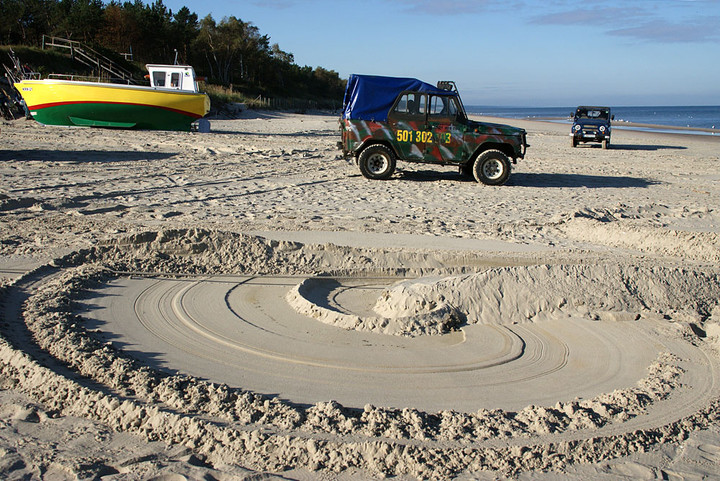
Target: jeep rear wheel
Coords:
[(492, 167), (377, 162)]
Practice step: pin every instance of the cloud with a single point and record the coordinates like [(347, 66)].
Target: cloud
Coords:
[(454, 7), (590, 17), (702, 30), (644, 23), (276, 4)]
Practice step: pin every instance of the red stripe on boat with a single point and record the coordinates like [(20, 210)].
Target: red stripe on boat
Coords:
[(59, 104)]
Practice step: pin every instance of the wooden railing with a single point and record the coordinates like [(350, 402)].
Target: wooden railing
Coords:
[(105, 67)]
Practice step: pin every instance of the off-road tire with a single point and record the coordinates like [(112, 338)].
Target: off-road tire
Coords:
[(377, 162), (492, 167), (573, 141)]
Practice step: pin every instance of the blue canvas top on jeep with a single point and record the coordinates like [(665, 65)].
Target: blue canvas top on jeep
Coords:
[(370, 97)]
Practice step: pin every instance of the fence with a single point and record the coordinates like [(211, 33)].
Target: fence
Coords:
[(106, 68), (293, 104)]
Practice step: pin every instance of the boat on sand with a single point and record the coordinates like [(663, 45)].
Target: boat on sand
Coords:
[(171, 102)]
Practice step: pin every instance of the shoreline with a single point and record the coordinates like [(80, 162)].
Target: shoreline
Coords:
[(620, 124)]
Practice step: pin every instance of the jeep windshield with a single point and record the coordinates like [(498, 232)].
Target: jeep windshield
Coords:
[(600, 114)]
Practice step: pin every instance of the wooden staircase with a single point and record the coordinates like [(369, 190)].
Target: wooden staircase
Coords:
[(106, 68)]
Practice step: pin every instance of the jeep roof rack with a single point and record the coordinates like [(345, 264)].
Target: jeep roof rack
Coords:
[(447, 85)]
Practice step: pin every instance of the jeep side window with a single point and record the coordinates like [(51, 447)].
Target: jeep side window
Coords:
[(421, 101), (443, 106), (411, 104)]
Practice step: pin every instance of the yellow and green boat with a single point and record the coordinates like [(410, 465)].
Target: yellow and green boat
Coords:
[(171, 102)]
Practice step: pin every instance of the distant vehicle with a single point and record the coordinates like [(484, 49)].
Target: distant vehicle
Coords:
[(591, 124), (386, 119)]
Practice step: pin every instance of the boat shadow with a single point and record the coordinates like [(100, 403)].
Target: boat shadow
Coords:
[(317, 133), (81, 156)]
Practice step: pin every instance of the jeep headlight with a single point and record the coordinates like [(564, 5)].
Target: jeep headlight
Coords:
[(602, 128), (576, 127)]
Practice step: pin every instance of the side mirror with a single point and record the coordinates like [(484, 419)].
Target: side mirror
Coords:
[(612, 117)]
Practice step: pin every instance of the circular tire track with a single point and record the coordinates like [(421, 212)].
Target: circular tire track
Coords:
[(241, 332)]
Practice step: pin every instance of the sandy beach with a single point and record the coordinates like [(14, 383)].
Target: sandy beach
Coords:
[(243, 304)]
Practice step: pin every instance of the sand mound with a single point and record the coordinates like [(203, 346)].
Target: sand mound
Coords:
[(427, 318), (515, 294), (520, 294), (201, 251)]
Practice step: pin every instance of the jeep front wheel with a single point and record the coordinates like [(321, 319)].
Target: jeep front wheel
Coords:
[(492, 167), (377, 162)]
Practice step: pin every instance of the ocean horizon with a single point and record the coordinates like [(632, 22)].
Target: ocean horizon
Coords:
[(699, 117)]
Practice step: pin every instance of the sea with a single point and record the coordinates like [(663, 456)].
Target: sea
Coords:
[(670, 118)]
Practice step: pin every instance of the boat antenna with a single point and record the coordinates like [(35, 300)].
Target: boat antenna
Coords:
[(176, 56)]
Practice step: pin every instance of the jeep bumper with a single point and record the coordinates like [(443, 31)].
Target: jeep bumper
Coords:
[(590, 135), (524, 146)]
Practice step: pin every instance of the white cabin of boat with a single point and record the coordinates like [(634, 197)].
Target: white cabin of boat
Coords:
[(175, 77)]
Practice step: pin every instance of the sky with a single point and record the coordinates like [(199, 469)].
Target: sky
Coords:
[(525, 53)]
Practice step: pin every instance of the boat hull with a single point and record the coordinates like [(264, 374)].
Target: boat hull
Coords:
[(88, 104)]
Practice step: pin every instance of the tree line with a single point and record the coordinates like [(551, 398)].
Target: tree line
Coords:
[(229, 52)]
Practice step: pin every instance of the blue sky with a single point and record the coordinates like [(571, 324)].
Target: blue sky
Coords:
[(505, 52)]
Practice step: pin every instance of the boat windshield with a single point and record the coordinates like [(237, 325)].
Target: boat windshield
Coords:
[(177, 77), (158, 79)]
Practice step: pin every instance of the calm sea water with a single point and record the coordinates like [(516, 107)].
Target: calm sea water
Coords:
[(706, 117)]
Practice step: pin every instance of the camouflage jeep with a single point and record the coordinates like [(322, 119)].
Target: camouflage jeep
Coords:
[(386, 119)]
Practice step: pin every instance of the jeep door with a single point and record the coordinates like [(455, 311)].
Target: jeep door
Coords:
[(407, 121), (448, 130)]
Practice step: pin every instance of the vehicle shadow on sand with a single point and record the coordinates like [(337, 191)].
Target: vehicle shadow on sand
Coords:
[(430, 176), (521, 179), (649, 148)]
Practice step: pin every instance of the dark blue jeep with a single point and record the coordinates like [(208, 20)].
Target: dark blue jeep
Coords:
[(591, 124)]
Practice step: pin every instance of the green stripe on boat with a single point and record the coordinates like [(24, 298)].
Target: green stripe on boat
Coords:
[(114, 115)]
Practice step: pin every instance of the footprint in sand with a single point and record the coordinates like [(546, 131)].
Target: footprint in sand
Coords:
[(633, 471), (710, 452)]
